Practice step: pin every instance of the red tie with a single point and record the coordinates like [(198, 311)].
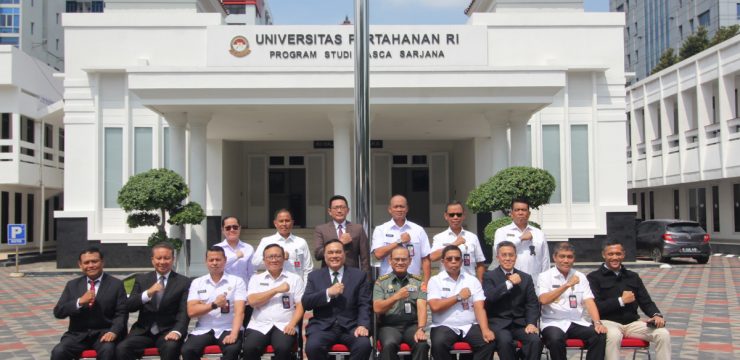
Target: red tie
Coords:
[(92, 288), (339, 231)]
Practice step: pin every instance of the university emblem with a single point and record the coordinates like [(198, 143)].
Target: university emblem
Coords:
[(239, 46)]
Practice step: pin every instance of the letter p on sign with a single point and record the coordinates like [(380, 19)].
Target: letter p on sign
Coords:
[(16, 234)]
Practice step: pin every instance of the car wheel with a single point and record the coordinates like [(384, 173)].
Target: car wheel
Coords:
[(702, 259), (657, 255)]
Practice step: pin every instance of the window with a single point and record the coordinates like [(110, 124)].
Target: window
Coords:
[(629, 60), (736, 201), (704, 19), (634, 199), (72, 6), (651, 195), (676, 205), (8, 41), (113, 167), (579, 163), (691, 25), (32, 27), (58, 18), (551, 157), (714, 110), (737, 11), (142, 149), (97, 6), (642, 205), (10, 20), (620, 8), (57, 44), (61, 139), (30, 212), (697, 206), (166, 147), (5, 215), (675, 118), (28, 133), (715, 208), (528, 145), (680, 31), (628, 31), (18, 218), (6, 128), (49, 136)]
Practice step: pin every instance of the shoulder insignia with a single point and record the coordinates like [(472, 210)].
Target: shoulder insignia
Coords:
[(417, 277), (384, 277)]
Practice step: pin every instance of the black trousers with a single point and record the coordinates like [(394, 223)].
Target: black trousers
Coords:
[(255, 343), (554, 339), (132, 347), (443, 338), (506, 343), (391, 338), (73, 344), (318, 343), (194, 345)]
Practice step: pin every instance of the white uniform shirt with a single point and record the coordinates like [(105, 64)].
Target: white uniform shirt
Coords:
[(442, 286), (470, 249), (280, 308), (299, 256), (389, 233), (525, 261), (559, 313), (205, 290), (241, 267)]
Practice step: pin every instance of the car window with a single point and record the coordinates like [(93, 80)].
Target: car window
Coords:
[(686, 228)]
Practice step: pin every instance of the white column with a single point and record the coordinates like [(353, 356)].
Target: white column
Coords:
[(725, 101), (214, 177), (197, 168), (518, 145), (343, 172), (176, 150), (500, 142)]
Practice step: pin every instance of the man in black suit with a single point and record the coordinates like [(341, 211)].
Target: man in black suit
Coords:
[(96, 306), (512, 306), (352, 236), (160, 297), (340, 299)]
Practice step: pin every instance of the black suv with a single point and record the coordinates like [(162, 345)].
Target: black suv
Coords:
[(664, 239)]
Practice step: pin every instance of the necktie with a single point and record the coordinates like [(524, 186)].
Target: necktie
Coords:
[(159, 294), (508, 275), (92, 288), (336, 277), (339, 231)]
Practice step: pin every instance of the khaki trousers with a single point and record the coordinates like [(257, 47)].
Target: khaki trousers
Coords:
[(638, 330)]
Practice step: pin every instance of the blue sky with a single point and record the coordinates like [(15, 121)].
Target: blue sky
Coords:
[(399, 12)]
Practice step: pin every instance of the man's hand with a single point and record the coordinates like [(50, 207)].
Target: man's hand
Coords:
[(600, 329), (283, 288), (515, 279), (465, 293), (289, 330), (628, 297), (86, 298), (420, 335), (157, 287), (488, 335), (336, 290), (172, 336), (220, 300), (573, 281), (459, 241), (531, 329), (361, 331), (402, 293), (239, 254), (108, 337), (424, 286), (231, 338), (346, 238), (405, 238), (526, 236), (659, 321)]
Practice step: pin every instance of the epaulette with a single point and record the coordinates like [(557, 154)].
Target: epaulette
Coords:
[(417, 277), (384, 277)]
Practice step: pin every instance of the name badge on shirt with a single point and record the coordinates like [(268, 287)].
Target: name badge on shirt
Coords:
[(411, 249), (264, 284), (573, 301), (202, 291), (510, 235), (466, 259), (555, 286), (445, 289), (407, 307), (388, 235), (286, 302)]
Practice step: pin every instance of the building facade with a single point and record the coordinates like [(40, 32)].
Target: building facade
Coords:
[(652, 26), (258, 118), (683, 142)]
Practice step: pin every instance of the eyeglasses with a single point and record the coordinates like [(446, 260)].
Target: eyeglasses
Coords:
[(232, 227), (455, 214), (453, 258), (274, 257), (338, 208)]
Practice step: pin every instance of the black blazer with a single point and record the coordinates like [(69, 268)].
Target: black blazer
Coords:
[(357, 252), (349, 310), (172, 313), (108, 313), (518, 306), (608, 287)]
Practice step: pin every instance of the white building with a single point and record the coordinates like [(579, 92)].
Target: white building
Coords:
[(260, 117), (683, 143)]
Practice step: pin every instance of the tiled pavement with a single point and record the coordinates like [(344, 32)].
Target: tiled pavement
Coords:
[(701, 303)]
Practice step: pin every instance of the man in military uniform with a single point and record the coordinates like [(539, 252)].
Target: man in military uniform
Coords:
[(402, 307)]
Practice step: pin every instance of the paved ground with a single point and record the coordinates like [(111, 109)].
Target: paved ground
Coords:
[(701, 303)]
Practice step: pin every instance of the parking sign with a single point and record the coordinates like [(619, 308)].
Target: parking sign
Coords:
[(16, 234)]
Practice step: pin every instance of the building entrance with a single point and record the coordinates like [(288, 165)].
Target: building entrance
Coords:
[(288, 191), (413, 183)]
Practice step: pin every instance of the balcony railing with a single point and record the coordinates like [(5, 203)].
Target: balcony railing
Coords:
[(692, 138), (27, 152), (712, 132)]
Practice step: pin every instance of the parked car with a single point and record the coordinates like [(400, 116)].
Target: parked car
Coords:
[(664, 239)]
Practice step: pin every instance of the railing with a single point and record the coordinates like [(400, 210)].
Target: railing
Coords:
[(673, 143), (734, 129), (24, 151), (692, 138), (657, 145), (712, 132)]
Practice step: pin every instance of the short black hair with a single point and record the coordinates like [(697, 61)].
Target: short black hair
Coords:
[(611, 242), (280, 211), (338, 197), (272, 246), (563, 246), (216, 248), (522, 200), (164, 245), (449, 248), (90, 250), (454, 202), (332, 241), (223, 220), (505, 243)]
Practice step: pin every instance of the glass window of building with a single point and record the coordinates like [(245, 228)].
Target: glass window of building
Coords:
[(704, 19), (142, 149), (579, 163), (28, 133), (113, 166), (551, 157), (10, 20)]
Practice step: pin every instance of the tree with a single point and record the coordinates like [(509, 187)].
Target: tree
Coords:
[(694, 43), (724, 33), (667, 59), (150, 196), (536, 185)]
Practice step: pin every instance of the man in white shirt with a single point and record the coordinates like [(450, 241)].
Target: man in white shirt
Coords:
[(275, 296), (564, 293), (400, 232), (473, 258), (217, 299), (238, 255), (297, 255), (532, 253), (456, 300)]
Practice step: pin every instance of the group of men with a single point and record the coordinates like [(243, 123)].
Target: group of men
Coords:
[(242, 311)]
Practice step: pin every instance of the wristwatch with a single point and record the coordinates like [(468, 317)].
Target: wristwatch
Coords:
[(399, 242), (459, 298), (214, 306), (597, 322)]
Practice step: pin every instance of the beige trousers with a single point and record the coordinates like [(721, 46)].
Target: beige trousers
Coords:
[(638, 330)]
